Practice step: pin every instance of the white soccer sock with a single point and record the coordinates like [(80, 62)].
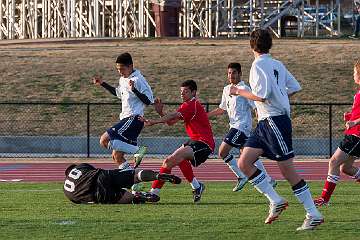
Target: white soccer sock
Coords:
[(125, 166), (231, 162), (261, 167), (121, 146), (304, 196), (357, 174), (261, 184), (333, 178), (155, 191), (195, 183), (139, 175)]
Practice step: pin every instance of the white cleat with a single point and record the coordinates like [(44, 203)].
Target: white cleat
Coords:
[(275, 210), (310, 223), (240, 184)]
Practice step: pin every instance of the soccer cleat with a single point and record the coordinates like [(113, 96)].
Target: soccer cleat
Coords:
[(353, 36), (169, 178), (198, 192), (310, 223), (275, 210), (139, 155), (240, 184), (139, 197), (320, 201), (151, 197), (273, 183)]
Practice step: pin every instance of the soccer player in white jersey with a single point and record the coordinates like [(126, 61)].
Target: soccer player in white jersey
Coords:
[(240, 120), (135, 94), (271, 85)]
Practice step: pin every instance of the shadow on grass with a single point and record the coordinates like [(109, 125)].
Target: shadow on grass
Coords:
[(204, 203)]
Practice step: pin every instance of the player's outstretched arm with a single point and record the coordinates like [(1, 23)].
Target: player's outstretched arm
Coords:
[(170, 119), (216, 112), (99, 82), (246, 94), (140, 95)]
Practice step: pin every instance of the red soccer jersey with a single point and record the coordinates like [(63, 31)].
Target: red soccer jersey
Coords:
[(354, 114), (197, 123)]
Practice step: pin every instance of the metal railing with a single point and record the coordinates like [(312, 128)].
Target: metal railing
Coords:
[(73, 129)]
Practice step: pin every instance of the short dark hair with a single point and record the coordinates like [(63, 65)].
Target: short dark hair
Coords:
[(260, 40), (357, 65), (236, 66), (124, 58), (69, 168), (191, 84)]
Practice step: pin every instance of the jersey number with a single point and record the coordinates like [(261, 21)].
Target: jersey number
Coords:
[(276, 74), (74, 174)]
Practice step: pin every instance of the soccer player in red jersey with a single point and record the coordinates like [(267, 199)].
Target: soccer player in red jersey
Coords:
[(195, 151), (349, 148)]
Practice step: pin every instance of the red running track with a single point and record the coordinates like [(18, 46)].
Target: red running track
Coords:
[(210, 171)]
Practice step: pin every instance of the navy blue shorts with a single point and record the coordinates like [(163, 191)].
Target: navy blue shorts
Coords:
[(127, 130), (274, 136), (235, 138)]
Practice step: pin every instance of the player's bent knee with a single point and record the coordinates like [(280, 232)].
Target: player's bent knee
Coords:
[(334, 163), (222, 154), (242, 165), (169, 162), (104, 142)]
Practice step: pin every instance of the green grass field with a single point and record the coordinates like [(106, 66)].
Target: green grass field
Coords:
[(40, 211)]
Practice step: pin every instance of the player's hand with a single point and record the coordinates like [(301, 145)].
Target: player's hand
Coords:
[(131, 85), (146, 121), (149, 123), (350, 124), (159, 106), (97, 80), (347, 116)]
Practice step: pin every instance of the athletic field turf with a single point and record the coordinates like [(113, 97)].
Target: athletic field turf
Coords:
[(40, 211)]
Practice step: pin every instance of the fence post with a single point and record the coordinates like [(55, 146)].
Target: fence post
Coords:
[(88, 129), (330, 130)]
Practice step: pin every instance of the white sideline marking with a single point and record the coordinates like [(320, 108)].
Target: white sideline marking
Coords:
[(10, 180), (30, 190)]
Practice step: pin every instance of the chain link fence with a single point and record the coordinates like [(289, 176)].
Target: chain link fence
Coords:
[(73, 129)]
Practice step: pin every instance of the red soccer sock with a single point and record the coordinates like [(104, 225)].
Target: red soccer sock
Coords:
[(187, 170), (328, 190), (157, 183)]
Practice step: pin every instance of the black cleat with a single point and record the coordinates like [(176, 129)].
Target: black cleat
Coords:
[(169, 178), (198, 192), (139, 198), (151, 197)]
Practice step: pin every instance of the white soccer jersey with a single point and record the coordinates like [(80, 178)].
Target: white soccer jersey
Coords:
[(238, 109), (270, 79), (130, 103)]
